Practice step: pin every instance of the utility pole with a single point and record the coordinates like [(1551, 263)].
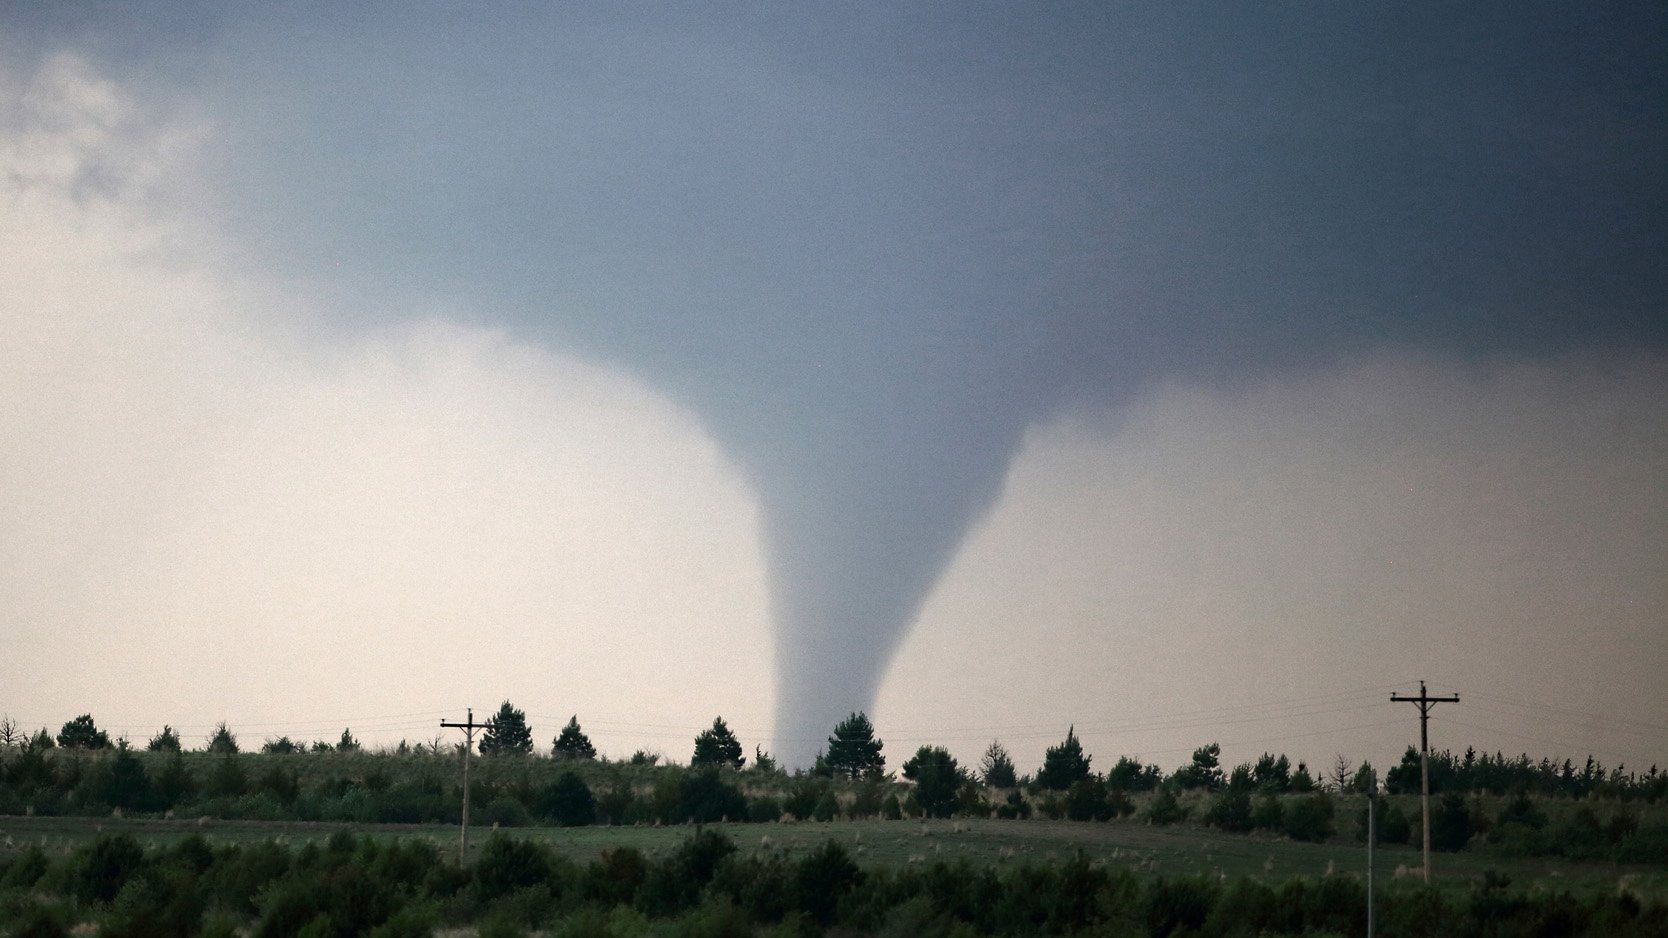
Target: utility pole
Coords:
[(1425, 702), (1372, 835), (469, 726)]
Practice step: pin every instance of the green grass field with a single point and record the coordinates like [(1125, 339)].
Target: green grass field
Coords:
[(1178, 850)]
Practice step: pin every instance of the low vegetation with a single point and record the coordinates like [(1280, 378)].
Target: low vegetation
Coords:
[(708, 883)]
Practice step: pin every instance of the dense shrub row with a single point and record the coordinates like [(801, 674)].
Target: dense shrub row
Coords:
[(1521, 827), (708, 886), (1499, 774), (364, 787), (368, 789)]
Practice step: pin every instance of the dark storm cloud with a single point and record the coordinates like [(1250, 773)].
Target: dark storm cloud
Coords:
[(872, 246)]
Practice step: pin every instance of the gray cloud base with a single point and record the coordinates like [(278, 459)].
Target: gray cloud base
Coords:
[(871, 247)]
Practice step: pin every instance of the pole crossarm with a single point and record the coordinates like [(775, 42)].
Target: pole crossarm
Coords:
[(1425, 702)]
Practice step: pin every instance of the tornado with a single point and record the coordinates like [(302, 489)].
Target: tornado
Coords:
[(855, 542)]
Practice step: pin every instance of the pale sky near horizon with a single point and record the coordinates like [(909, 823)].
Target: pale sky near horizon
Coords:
[(293, 439)]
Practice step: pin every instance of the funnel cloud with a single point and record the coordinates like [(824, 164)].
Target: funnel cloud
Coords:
[(871, 247)]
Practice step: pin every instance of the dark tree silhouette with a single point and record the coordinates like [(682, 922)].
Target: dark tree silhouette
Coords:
[(936, 777), (853, 750), (572, 743), (222, 742), (997, 769), (80, 733), (1065, 764), (718, 746), (506, 733)]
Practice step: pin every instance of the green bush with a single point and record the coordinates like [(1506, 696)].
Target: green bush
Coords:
[(1645, 845), (1269, 813), (1246, 907), (24, 869), (411, 920), (40, 920), (763, 809), (1393, 826), (803, 797), (937, 778), (828, 807), (1308, 818), (104, 867), (1330, 905), (613, 877), (227, 779), (1521, 810), (871, 798), (567, 801), (1179, 905), (1450, 823), (288, 906), (1015, 807), (970, 800), (126, 786), (619, 805), (507, 864), (1165, 808), (1578, 837), (244, 873), (506, 811), (675, 883), (1090, 800), (706, 797), (281, 784), (822, 878), (155, 903), (1230, 811)]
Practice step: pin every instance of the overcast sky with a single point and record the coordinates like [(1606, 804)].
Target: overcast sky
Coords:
[(1180, 373)]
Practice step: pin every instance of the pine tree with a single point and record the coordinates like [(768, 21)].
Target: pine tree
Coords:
[(80, 733), (165, 741), (507, 733), (222, 742), (1064, 764), (573, 743), (936, 776), (717, 746), (853, 749), (997, 769), (1205, 771)]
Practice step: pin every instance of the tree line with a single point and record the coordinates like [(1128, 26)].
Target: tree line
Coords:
[(854, 751), (80, 775)]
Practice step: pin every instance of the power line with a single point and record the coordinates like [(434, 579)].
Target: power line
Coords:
[(1609, 719), (1173, 716)]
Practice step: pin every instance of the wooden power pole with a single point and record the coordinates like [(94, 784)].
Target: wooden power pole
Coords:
[(469, 726), (1425, 702)]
